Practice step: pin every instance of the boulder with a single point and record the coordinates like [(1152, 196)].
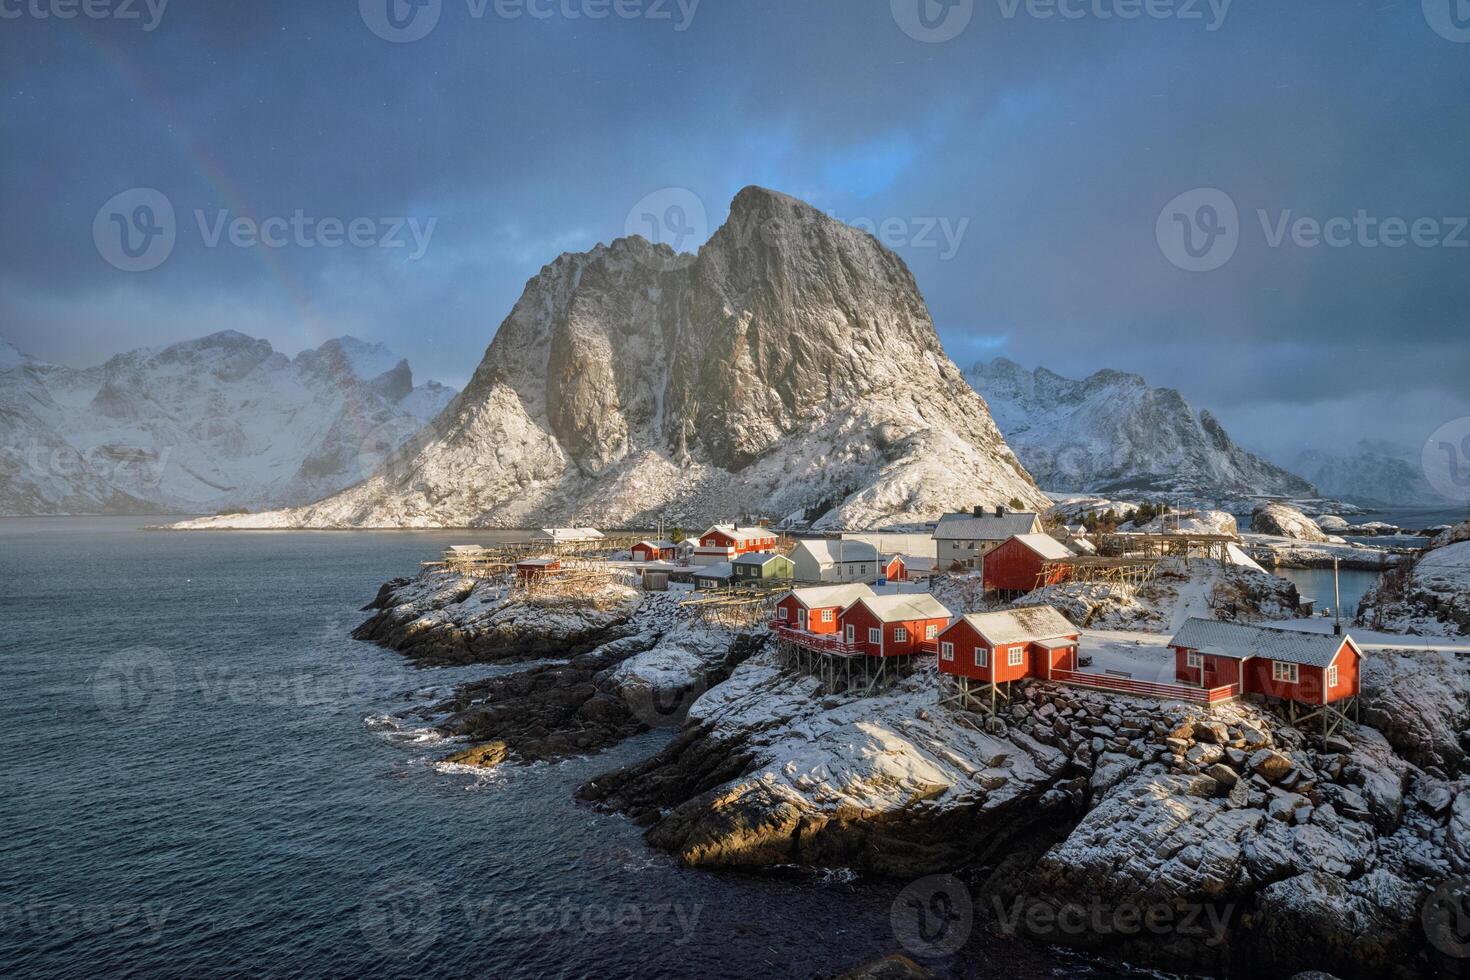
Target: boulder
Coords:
[(1271, 765)]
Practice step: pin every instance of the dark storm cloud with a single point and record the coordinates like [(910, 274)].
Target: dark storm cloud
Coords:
[(1019, 168)]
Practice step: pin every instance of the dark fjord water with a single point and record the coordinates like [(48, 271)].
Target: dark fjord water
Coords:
[(200, 781)]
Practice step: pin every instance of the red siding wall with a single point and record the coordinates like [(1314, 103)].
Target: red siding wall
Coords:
[(862, 620), (814, 616), (1013, 567), (1255, 675), (1033, 662), (895, 572)]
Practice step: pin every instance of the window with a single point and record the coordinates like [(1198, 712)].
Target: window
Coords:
[(828, 615), (1332, 676), (1194, 659), (982, 657), (1017, 655), (875, 635), (946, 650), (900, 635), (781, 612), (931, 631), (851, 634), (1283, 671)]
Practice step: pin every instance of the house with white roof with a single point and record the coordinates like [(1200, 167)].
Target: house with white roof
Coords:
[(965, 539), (835, 561)]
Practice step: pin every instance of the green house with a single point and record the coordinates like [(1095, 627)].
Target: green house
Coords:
[(763, 566)]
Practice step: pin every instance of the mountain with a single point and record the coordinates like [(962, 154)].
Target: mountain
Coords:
[(1113, 433), (1374, 474), (220, 422), (789, 369)]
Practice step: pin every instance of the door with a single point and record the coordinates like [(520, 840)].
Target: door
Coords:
[(801, 619), (1209, 673)]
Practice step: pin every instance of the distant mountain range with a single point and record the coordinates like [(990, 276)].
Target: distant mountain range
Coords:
[(1375, 473), (1113, 433), (790, 369), (221, 422)]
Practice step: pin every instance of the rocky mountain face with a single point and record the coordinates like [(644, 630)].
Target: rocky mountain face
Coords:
[(220, 422), (1374, 474), (790, 369), (1113, 433)]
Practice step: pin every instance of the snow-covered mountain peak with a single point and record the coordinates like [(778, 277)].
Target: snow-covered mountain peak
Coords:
[(790, 367), (1111, 432)]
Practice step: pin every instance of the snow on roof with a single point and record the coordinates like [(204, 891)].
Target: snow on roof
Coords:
[(964, 526), (905, 606), (825, 552), (822, 596), (1027, 624), (1045, 545), (758, 558), (569, 533), (539, 562), (466, 549), (656, 545), (689, 543), (1241, 641), (722, 570), (741, 534)]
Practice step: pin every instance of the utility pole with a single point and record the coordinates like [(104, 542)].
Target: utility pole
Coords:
[(1336, 600)]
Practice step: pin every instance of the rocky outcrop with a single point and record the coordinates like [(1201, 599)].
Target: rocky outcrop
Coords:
[(790, 369), (443, 617), (1113, 433), (1427, 595), (1262, 851), (1285, 521)]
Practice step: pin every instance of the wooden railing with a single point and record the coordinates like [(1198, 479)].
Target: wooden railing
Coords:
[(1123, 685), (833, 642)]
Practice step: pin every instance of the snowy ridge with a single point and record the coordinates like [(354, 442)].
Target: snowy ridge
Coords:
[(791, 367), (1113, 433), (220, 422)]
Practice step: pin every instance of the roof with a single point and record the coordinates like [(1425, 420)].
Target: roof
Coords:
[(1026, 624), (465, 549), (1046, 546), (741, 534), (689, 543), (905, 606), (569, 533), (1241, 641), (825, 552), (656, 545), (823, 596), (759, 558), (963, 526), (918, 563), (539, 562), (722, 570)]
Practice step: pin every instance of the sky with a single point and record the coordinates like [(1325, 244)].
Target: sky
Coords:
[(1261, 204)]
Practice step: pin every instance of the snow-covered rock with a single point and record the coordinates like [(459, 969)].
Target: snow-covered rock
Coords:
[(1113, 433), (1283, 520), (790, 366), (222, 422), (1429, 596)]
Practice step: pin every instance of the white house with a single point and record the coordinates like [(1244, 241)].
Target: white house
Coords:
[(835, 561), (965, 539)]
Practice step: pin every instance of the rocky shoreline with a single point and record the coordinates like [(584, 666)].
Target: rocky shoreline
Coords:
[(1302, 856)]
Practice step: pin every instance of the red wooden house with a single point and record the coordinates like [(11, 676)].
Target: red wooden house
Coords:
[(893, 568), (1016, 566), (816, 610), (726, 542), (893, 625), (1010, 645), (532, 569), (1315, 669), (654, 551)]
